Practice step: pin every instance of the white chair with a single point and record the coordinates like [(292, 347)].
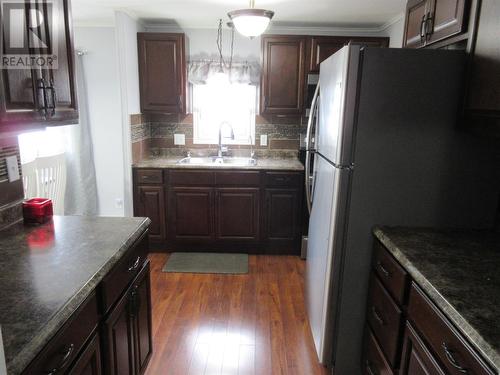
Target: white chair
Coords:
[(45, 177)]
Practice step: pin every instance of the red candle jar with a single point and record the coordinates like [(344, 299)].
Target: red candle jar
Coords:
[(37, 210)]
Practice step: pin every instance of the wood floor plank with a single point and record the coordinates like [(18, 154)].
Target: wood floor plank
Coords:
[(252, 324)]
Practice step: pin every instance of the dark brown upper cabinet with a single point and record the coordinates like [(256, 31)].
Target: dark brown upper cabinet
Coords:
[(39, 97), (322, 47), (283, 75), (416, 11), (431, 21), (162, 72)]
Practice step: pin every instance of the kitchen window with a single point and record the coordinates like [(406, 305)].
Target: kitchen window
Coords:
[(219, 103)]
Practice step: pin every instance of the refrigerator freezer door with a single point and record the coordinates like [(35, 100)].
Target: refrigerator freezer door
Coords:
[(324, 253), (338, 77)]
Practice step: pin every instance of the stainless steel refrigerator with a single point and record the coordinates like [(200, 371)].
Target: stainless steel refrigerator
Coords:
[(387, 150)]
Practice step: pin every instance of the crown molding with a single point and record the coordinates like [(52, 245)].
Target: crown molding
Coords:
[(392, 21), (305, 30)]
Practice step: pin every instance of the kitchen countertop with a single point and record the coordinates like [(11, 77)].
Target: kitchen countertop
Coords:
[(459, 271), (290, 164), (47, 271)]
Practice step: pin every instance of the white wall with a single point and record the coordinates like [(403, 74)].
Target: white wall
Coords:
[(100, 65), (395, 31)]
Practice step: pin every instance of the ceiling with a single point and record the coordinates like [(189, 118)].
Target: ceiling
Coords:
[(205, 13)]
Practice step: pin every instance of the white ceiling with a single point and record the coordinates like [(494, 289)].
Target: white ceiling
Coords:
[(205, 13)]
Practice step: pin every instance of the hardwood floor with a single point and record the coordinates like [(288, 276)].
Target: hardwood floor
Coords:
[(206, 324)]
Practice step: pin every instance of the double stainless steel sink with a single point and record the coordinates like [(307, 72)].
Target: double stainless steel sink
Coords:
[(214, 160)]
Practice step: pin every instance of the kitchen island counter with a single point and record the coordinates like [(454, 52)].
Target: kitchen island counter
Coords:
[(47, 271)]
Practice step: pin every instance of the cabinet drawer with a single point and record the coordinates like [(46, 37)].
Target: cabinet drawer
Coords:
[(192, 178), (63, 349), (149, 176), (237, 178), (444, 340), (384, 317), (416, 358), (392, 275), (285, 179), (373, 358), (123, 273)]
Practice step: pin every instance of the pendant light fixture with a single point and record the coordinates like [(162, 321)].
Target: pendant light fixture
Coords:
[(251, 22)]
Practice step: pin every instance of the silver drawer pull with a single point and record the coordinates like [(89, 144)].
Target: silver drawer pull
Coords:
[(135, 265), (369, 368), (383, 269), (377, 316), (451, 359), (64, 361)]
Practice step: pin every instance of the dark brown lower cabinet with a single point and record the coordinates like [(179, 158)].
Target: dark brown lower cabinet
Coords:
[(127, 330), (406, 333), (237, 212), (150, 202), (89, 362), (417, 359), (282, 216), (374, 362), (224, 210), (191, 213)]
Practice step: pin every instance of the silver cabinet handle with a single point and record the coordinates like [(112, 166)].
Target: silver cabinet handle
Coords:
[(452, 360), (135, 265), (377, 316), (383, 269), (66, 357)]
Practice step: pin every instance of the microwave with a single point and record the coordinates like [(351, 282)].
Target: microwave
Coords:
[(311, 83)]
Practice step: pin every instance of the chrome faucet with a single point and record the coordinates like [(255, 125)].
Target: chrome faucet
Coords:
[(223, 149)]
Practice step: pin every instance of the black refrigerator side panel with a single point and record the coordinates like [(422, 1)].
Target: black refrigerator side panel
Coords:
[(412, 167)]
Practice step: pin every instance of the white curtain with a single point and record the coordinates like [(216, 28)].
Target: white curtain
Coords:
[(239, 72), (81, 190)]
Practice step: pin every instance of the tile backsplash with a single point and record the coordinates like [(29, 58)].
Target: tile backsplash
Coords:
[(153, 135)]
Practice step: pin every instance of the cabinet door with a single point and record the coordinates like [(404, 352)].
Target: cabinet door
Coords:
[(162, 72), (141, 310), (21, 100), (370, 42), (61, 82), (283, 76), (416, 11), (119, 340), (446, 19), (39, 97), (323, 47), (150, 202), (417, 359), (191, 213), (89, 362), (237, 214), (282, 209)]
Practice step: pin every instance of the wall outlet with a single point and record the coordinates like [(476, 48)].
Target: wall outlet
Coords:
[(119, 203), (179, 139), (12, 168), (263, 139)]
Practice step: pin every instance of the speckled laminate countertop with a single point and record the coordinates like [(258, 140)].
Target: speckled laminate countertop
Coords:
[(47, 271), (459, 271), (290, 164)]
